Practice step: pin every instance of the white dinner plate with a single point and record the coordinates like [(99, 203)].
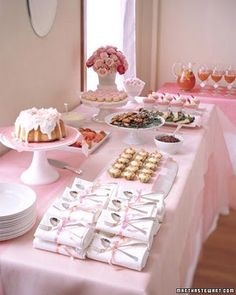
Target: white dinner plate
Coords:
[(17, 224), (18, 233), (15, 199)]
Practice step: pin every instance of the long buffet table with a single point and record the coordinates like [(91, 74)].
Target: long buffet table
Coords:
[(202, 190)]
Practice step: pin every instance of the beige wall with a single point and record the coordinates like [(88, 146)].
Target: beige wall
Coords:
[(34, 71), (187, 30)]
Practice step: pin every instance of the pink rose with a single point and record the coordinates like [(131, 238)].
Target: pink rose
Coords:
[(114, 57), (98, 63), (103, 55), (111, 50), (121, 69), (100, 50), (109, 62), (90, 62)]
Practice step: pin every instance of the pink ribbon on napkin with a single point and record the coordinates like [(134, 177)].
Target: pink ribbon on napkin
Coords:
[(113, 248), (69, 251), (125, 221)]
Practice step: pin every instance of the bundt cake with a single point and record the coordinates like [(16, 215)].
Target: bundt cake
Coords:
[(39, 125)]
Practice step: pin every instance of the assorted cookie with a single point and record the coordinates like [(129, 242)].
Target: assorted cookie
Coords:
[(135, 165)]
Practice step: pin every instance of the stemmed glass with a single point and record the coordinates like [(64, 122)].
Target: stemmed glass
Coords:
[(216, 76), (203, 74), (230, 76)]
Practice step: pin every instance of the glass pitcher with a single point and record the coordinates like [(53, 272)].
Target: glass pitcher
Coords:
[(184, 75)]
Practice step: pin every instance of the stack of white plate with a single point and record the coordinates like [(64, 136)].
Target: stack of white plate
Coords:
[(17, 210)]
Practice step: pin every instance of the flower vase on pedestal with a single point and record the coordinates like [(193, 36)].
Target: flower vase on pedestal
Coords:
[(107, 82)]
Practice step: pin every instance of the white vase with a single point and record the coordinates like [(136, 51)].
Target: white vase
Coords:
[(107, 82)]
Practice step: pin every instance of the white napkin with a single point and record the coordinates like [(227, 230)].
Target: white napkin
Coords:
[(107, 224), (57, 248), (72, 233), (135, 196), (80, 184), (103, 191), (140, 208), (82, 207), (138, 249)]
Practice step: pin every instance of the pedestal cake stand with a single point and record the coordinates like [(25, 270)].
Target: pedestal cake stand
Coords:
[(39, 171)]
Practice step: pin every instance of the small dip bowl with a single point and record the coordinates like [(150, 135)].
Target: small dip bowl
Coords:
[(169, 143)]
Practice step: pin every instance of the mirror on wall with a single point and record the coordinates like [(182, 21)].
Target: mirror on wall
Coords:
[(42, 15)]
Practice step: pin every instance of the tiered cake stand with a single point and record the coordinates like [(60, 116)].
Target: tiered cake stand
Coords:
[(104, 108), (39, 171)]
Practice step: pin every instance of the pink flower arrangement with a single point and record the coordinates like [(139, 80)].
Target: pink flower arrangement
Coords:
[(107, 60)]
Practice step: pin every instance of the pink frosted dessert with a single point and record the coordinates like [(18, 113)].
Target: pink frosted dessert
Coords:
[(181, 98), (162, 104), (176, 105), (168, 96), (152, 97), (196, 100), (190, 106)]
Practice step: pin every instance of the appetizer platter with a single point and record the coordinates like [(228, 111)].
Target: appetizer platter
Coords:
[(134, 123), (141, 119), (89, 141), (175, 118), (186, 120)]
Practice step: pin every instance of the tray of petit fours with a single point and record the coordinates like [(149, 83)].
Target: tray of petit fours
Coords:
[(142, 168)]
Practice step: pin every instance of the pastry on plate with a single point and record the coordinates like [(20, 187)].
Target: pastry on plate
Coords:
[(128, 175), (114, 172), (143, 177)]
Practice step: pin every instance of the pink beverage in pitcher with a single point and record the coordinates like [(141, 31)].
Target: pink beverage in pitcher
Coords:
[(185, 77)]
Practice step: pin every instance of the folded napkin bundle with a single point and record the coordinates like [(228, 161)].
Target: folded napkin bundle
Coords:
[(125, 224), (138, 209), (99, 190), (81, 206), (74, 252), (118, 250), (144, 197), (65, 231)]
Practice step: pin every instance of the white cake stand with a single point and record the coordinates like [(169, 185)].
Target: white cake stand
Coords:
[(104, 108), (134, 134), (39, 171)]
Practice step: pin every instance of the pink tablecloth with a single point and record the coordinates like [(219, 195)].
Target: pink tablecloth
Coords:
[(200, 193)]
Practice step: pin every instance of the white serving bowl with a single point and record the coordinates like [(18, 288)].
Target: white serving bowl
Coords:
[(168, 147), (133, 86)]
